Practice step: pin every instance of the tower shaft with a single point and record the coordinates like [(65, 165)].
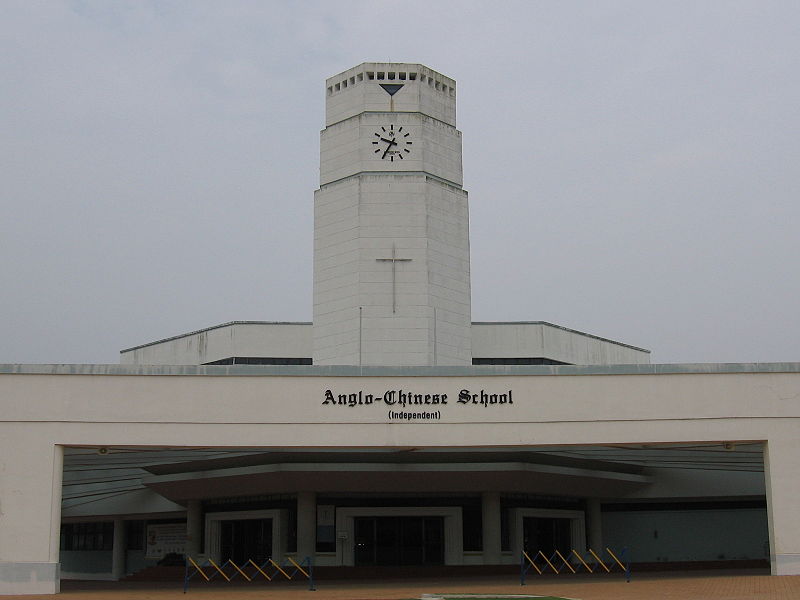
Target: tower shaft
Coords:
[(391, 222)]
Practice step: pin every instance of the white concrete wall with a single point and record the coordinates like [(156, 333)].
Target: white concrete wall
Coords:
[(782, 465), (347, 147), (449, 273), (361, 220), (31, 469), (280, 340), (352, 92), (368, 312), (44, 409), (294, 340), (538, 339)]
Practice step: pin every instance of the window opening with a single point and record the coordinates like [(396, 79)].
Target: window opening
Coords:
[(97, 535)]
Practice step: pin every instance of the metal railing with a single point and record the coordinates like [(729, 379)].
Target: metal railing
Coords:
[(557, 563), (249, 571)]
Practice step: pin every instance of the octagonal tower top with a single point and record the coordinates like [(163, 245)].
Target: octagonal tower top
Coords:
[(390, 87)]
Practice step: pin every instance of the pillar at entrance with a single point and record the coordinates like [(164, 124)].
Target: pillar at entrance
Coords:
[(118, 549), (490, 512), (782, 478), (306, 525), (194, 524), (30, 522), (595, 524)]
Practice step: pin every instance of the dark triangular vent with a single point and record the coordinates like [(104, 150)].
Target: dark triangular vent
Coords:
[(391, 88)]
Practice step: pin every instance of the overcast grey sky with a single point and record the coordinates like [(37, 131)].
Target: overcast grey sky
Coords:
[(633, 167)]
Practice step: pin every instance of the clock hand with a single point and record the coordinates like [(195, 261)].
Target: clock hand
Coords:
[(388, 147)]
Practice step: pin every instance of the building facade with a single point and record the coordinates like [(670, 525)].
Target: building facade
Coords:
[(392, 430)]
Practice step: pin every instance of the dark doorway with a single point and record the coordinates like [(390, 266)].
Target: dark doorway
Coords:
[(386, 541), (246, 539), (547, 535)]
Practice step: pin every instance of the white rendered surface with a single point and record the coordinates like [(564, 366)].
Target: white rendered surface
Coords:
[(347, 147), (390, 186), (361, 315), (430, 93), (529, 340), (294, 340), (45, 410), (279, 340)]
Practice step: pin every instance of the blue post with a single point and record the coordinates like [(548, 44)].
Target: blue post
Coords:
[(185, 573), (311, 586), (627, 566), (522, 568)]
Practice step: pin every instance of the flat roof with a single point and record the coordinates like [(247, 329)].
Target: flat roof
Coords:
[(562, 328), (308, 323), (220, 326), (355, 371)]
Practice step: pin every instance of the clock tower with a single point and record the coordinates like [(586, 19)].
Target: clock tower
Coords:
[(391, 222)]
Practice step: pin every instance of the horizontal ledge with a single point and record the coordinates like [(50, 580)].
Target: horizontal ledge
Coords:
[(408, 371)]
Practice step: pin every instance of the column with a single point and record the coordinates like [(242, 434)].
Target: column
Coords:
[(782, 479), (118, 549), (55, 507), (490, 513), (30, 493), (194, 528), (594, 516), (306, 525)]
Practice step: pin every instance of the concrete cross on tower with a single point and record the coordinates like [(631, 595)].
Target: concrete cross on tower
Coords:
[(394, 260)]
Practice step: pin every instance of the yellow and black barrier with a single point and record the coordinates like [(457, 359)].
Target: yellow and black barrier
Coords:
[(590, 561), (249, 571)]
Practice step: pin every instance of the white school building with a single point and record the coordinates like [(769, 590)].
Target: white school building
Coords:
[(392, 430)]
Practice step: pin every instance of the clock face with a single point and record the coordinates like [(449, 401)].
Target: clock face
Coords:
[(391, 143)]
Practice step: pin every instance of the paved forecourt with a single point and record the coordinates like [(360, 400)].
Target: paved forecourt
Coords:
[(651, 587)]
